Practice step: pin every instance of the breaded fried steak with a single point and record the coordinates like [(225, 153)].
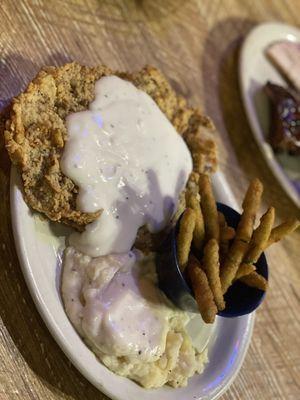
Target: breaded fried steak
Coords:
[(35, 132)]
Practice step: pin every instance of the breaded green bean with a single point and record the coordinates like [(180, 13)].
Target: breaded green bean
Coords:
[(282, 230), (211, 267), (199, 232), (203, 294), (224, 242), (250, 206), (185, 236), (255, 280), (209, 208), (243, 234), (260, 236), (244, 269), (232, 262)]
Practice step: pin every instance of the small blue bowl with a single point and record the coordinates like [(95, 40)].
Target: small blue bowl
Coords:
[(240, 299)]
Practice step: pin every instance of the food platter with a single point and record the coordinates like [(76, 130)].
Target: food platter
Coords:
[(254, 72), (39, 246)]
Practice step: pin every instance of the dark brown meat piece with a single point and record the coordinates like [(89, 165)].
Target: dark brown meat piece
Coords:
[(284, 135)]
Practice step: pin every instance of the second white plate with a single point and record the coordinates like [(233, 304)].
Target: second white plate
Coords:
[(254, 72)]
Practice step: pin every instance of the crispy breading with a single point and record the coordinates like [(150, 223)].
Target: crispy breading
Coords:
[(255, 280), (250, 206), (193, 202), (185, 236), (263, 237), (228, 233), (244, 269), (209, 208), (202, 147), (211, 267), (36, 132), (282, 230), (232, 262), (243, 234), (260, 236), (203, 294), (224, 242), (193, 183), (222, 220)]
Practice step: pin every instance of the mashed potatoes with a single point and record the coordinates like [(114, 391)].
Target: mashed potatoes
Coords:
[(114, 303)]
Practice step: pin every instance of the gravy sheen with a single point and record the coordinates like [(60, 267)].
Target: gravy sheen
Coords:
[(113, 301), (128, 160)]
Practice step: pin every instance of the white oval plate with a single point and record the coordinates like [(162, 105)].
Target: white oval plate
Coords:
[(39, 245), (254, 72)]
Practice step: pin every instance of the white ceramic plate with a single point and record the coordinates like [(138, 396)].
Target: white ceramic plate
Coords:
[(39, 245), (254, 72)]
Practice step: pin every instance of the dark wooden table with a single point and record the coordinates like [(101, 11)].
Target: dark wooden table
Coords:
[(196, 44)]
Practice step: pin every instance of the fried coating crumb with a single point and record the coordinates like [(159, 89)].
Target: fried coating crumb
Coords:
[(35, 132)]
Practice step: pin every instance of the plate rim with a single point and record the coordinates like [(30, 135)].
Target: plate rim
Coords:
[(252, 118), (219, 181)]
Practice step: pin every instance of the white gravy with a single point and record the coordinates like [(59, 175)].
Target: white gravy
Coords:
[(115, 304), (128, 160)]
